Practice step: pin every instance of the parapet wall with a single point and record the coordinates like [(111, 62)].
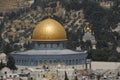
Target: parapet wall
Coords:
[(105, 65)]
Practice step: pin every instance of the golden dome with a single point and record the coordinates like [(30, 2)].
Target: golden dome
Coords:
[(88, 30), (49, 30)]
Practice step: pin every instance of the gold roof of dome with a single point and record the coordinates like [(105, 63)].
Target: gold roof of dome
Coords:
[(49, 30)]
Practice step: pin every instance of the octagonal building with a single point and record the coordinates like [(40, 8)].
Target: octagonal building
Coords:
[(49, 38)]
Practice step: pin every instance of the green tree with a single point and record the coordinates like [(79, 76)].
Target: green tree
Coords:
[(88, 45), (102, 44), (66, 77), (113, 58), (103, 21), (11, 63), (76, 78), (104, 55), (72, 42), (7, 48), (71, 4), (1, 65)]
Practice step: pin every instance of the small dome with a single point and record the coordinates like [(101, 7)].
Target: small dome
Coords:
[(49, 30), (5, 69), (2, 55)]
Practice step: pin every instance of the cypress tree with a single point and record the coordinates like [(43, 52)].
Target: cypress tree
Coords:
[(66, 77), (76, 78)]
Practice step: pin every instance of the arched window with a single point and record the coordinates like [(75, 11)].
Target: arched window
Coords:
[(76, 61), (32, 61), (73, 61), (57, 44), (69, 62), (40, 61), (17, 61), (36, 45), (50, 61), (42, 46), (54, 45), (36, 62), (48, 45), (25, 61), (61, 45), (45, 45), (79, 61), (45, 61), (66, 62), (55, 61)]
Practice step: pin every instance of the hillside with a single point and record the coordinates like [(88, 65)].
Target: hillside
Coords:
[(7, 6), (75, 16)]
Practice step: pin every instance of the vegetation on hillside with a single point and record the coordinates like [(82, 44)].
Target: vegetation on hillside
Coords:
[(10, 61), (102, 21)]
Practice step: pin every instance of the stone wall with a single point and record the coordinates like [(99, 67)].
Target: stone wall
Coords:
[(105, 65)]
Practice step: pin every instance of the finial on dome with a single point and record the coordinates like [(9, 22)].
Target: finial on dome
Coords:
[(87, 28)]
